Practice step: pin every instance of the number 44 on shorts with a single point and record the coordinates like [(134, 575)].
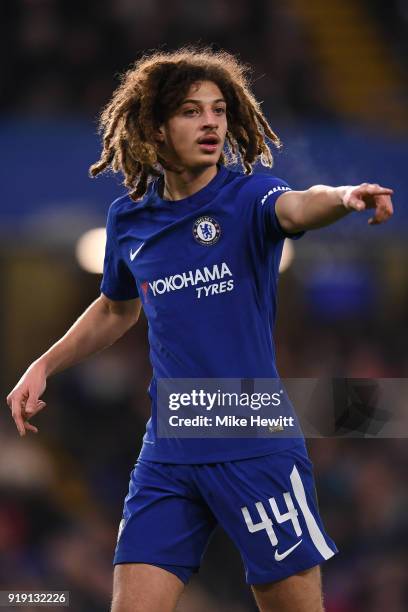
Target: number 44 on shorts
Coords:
[(266, 521), (291, 515)]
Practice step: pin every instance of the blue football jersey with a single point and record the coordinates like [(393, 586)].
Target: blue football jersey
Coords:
[(206, 270)]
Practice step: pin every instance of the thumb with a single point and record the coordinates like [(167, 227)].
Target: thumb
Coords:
[(34, 405)]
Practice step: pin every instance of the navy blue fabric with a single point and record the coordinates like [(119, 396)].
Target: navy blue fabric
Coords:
[(171, 511), (118, 282), (211, 308)]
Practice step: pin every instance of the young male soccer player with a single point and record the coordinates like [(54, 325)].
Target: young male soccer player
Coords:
[(198, 247)]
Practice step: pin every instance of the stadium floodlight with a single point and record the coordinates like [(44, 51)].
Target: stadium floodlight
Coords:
[(90, 249)]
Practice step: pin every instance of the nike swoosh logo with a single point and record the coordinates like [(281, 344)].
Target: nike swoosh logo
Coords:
[(133, 255), (280, 556)]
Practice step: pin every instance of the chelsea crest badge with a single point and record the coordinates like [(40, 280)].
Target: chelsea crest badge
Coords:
[(206, 231)]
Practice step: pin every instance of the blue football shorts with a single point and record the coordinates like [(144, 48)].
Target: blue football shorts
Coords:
[(267, 505)]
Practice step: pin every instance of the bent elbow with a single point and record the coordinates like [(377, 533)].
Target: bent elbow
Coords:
[(291, 225)]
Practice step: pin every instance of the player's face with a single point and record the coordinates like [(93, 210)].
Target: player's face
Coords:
[(193, 137)]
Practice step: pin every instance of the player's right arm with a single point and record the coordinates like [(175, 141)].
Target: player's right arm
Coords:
[(102, 323)]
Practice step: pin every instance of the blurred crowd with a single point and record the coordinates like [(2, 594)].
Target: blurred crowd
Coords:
[(391, 17), (62, 57)]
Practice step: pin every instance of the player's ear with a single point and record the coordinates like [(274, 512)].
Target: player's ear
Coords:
[(159, 134)]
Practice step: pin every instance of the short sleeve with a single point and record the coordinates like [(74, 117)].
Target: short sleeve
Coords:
[(272, 189), (117, 281)]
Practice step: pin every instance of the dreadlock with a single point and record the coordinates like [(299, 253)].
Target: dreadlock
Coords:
[(153, 89)]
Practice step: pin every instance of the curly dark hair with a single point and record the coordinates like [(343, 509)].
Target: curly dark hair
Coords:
[(153, 89)]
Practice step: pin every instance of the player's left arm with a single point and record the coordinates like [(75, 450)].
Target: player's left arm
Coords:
[(322, 205)]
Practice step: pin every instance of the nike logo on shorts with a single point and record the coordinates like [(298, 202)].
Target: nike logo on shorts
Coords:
[(280, 556), (133, 255)]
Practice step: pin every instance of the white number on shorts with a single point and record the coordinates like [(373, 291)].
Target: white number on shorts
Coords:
[(316, 535), (290, 515), (266, 522)]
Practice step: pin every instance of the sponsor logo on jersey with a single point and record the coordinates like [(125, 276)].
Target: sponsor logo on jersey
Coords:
[(194, 278), (274, 190), (145, 287), (206, 231)]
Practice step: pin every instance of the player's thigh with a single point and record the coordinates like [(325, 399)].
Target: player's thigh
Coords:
[(138, 587), (301, 592)]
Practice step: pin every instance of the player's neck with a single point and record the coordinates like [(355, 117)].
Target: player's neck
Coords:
[(178, 186)]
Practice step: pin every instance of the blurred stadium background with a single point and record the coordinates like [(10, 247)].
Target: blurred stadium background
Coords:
[(332, 77)]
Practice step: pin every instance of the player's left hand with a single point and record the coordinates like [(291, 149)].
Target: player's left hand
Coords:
[(370, 195)]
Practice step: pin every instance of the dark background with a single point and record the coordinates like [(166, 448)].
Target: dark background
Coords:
[(332, 78)]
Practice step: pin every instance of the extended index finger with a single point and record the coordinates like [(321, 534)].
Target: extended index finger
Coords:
[(374, 189)]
